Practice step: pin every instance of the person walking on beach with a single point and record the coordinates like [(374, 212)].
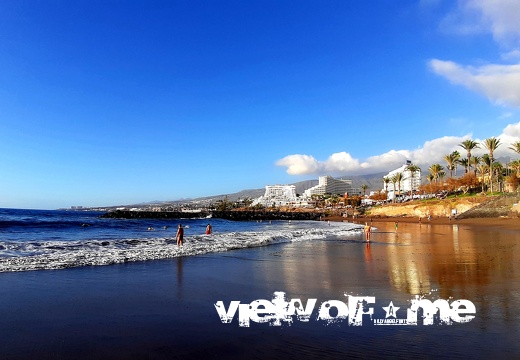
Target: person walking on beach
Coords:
[(180, 235), (396, 225), (208, 229), (368, 231)]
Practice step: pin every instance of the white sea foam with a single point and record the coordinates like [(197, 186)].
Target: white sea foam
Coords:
[(34, 255)]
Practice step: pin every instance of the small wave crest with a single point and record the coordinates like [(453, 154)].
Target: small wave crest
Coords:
[(34, 255)]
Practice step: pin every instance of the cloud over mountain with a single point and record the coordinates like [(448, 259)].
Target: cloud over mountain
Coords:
[(431, 152)]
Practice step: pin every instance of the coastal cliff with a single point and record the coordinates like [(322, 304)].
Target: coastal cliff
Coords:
[(462, 208)]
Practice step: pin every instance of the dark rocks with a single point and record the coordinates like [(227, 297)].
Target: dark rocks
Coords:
[(127, 214), (266, 215), (236, 215)]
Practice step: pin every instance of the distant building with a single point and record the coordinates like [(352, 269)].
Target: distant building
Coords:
[(410, 182), (329, 185), (276, 195)]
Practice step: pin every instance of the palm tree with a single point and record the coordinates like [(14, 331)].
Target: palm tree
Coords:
[(482, 169), (464, 162), (515, 166), (398, 177), (469, 145), (364, 187), (487, 166), (515, 147), (475, 161), (430, 177), (334, 199), (386, 181), (435, 169), (498, 171), (491, 145), (451, 160), (393, 179), (413, 169), (457, 157)]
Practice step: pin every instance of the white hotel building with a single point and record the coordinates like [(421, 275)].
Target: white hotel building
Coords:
[(276, 195), (410, 181), (329, 185), (280, 195)]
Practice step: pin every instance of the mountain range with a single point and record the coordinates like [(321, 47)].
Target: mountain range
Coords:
[(373, 181)]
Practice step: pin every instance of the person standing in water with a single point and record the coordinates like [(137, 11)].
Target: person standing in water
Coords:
[(209, 229), (180, 235), (368, 231)]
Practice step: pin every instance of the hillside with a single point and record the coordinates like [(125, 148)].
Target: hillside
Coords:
[(374, 182), (465, 207)]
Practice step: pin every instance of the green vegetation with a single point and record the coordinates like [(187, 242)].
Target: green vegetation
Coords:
[(488, 175), (481, 173)]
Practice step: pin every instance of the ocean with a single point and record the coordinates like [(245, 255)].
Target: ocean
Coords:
[(57, 239), (159, 301)]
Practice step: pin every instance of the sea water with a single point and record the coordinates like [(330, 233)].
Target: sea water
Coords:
[(53, 239)]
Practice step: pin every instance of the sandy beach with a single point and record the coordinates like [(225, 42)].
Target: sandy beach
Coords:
[(496, 223), (165, 309)]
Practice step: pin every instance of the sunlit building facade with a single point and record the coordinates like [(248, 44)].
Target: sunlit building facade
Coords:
[(410, 181), (329, 185), (276, 195)]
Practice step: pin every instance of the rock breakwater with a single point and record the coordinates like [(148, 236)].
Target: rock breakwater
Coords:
[(236, 215)]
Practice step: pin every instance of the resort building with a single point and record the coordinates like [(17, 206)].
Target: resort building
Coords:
[(409, 183), (329, 185), (276, 195)]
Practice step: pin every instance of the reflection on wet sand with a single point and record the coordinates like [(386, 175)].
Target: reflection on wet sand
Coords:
[(446, 261), (450, 258), (407, 264)]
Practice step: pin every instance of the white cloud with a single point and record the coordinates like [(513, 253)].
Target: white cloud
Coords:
[(510, 134), (498, 17), (341, 162), (300, 164), (430, 153), (499, 83), (501, 17)]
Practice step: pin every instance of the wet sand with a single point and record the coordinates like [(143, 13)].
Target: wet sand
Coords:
[(511, 223), (165, 309)]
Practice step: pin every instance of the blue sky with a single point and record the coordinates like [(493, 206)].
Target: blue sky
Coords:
[(121, 102)]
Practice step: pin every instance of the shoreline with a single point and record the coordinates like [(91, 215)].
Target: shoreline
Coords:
[(496, 222), (507, 222)]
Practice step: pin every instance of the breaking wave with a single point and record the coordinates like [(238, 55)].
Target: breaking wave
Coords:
[(59, 254)]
